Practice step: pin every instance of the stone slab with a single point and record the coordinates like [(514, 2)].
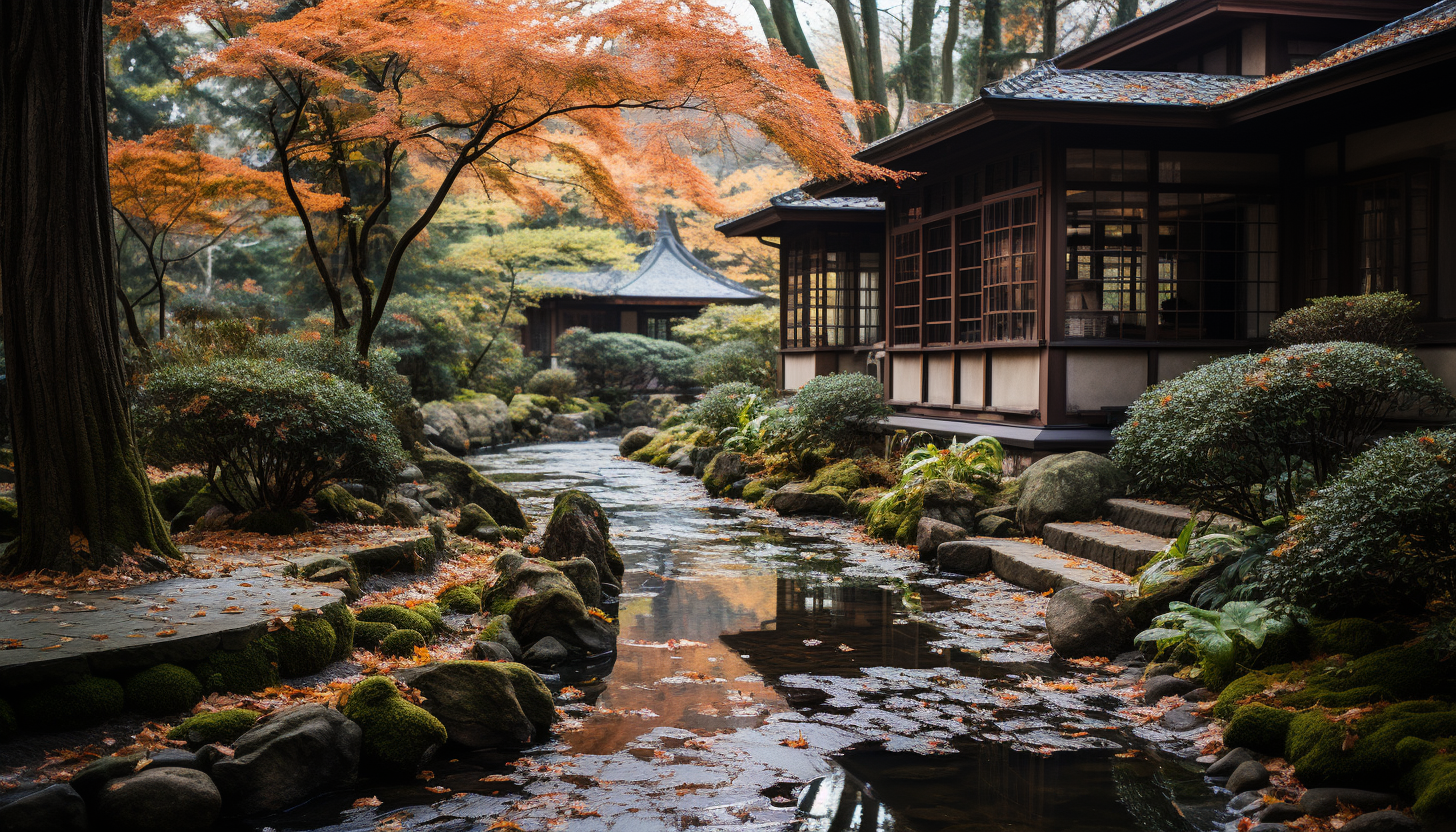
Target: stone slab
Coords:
[(48, 640), (1161, 519), (1028, 565), (1123, 549)]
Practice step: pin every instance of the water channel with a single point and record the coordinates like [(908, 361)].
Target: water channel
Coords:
[(778, 674)]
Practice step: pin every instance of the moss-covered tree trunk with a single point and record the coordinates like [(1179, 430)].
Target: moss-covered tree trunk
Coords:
[(81, 485)]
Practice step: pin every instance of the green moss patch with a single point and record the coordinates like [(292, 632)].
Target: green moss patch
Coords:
[(342, 620), (459, 599), (172, 494), (401, 617), (218, 726), (845, 475), (401, 643), (369, 634), (398, 735), (430, 611), (162, 690), (1260, 728), (76, 705), (251, 669)]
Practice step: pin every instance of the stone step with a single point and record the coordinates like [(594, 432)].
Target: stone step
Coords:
[(1029, 565), (1161, 519), (1117, 547)]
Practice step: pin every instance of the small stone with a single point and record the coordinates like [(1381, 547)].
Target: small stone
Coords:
[(1248, 777), (930, 534), (1132, 658), (1200, 695), (1279, 812), (544, 653), (208, 755), (1159, 687), (177, 799), (1161, 669), (1082, 621), (1387, 820), (1323, 803), (1183, 719), (492, 651), (55, 808), (996, 526), (965, 557), (1246, 803), (1268, 827), (1230, 761)]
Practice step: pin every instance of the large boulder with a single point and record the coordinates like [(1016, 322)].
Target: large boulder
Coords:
[(579, 528), (791, 501), (950, 502), (571, 427), (722, 471), (931, 533), (1065, 488), (399, 736), (177, 799), (484, 704), (288, 757), (542, 601), (470, 486), (486, 418), (636, 439), (55, 808), (585, 577), (1082, 621), (529, 416), (448, 428), (636, 413)]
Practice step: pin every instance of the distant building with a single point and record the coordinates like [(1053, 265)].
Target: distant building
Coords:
[(669, 283), (1129, 210)]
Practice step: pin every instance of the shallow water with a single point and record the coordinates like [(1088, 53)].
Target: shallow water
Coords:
[(775, 674)]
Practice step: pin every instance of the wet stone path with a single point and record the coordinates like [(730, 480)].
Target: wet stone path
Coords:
[(777, 674)]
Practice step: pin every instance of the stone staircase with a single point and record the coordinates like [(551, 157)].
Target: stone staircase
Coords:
[(1102, 554)]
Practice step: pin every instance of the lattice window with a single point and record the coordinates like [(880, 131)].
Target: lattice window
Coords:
[(938, 289), (1009, 269), (1393, 227), (906, 273), (1218, 265), (867, 300), (968, 278), (1106, 285)]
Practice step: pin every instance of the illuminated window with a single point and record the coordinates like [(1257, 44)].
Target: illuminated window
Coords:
[(1009, 269)]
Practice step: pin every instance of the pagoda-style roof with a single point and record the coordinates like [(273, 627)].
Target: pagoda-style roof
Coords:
[(796, 206), (667, 271)]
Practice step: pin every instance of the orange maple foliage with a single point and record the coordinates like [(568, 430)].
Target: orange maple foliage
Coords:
[(520, 98)]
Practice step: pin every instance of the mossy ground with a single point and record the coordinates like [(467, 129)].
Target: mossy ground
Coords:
[(401, 617), (75, 705), (162, 690), (253, 668), (401, 643), (216, 726)]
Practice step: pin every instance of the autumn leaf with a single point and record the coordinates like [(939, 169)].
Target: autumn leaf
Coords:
[(165, 633), (365, 802), (100, 637), (799, 742)]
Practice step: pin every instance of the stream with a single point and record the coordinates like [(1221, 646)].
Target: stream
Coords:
[(778, 673)]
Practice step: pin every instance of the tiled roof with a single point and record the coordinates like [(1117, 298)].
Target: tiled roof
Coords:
[(668, 270), (796, 198), (1048, 83)]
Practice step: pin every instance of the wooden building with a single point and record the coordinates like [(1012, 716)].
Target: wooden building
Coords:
[(669, 282), (1135, 207)]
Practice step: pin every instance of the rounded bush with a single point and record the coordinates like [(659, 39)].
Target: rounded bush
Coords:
[(398, 735), (619, 360), (748, 362), (1250, 435), (557, 383), (369, 634), (401, 643), (837, 408), (162, 690), (719, 407), (1385, 318), (280, 430), (305, 648), (251, 669), (1380, 535), (75, 705), (217, 726), (401, 617)]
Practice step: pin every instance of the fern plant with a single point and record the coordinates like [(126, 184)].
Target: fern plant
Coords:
[(976, 463)]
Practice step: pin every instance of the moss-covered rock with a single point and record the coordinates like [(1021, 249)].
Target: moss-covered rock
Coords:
[(398, 735), (172, 494), (754, 491), (1432, 783), (470, 486), (845, 475), (430, 611), (215, 727), (579, 528), (1067, 487), (342, 619), (485, 704), (460, 599), (253, 668), (1259, 728), (401, 617), (401, 643), (8, 723), (197, 506), (305, 647), (276, 521), (333, 503), (665, 442), (1238, 690), (1318, 745), (473, 517), (369, 634), (1351, 637), (162, 690), (74, 705)]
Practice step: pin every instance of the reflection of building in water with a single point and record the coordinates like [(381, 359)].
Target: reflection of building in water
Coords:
[(860, 617)]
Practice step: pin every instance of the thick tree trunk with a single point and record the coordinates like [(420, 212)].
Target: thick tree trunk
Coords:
[(1048, 29), (791, 35), (987, 68), (919, 71), (947, 53), (859, 64), (1126, 11), (765, 19), (869, 11), (81, 485)]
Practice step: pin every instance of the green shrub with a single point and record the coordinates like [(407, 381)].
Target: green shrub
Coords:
[(1384, 318), (401, 643), (1223, 638), (248, 670), (837, 409), (74, 705), (217, 726), (619, 360), (161, 690), (398, 734), (1259, 728), (431, 340), (402, 618), (1249, 435), (558, 383), (305, 645), (724, 323), (720, 407), (280, 432), (1380, 535), (369, 634), (746, 362)]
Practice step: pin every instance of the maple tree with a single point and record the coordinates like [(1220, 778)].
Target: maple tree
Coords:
[(474, 93), (177, 201)]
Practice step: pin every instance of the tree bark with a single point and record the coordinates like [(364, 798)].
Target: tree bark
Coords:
[(1126, 11), (869, 11), (765, 19), (990, 44), (1048, 29), (81, 485), (919, 75), (947, 53), (791, 35), (859, 65)]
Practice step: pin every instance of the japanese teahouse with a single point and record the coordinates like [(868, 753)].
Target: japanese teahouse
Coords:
[(668, 283), (1119, 214)]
